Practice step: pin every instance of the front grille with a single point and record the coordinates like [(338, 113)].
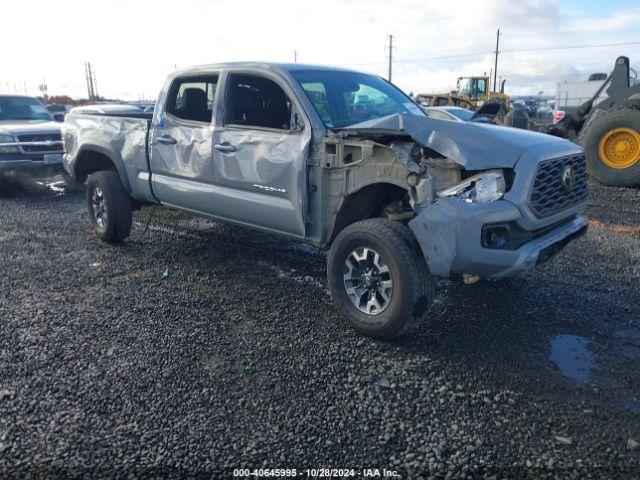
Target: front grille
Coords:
[(41, 137), (550, 193)]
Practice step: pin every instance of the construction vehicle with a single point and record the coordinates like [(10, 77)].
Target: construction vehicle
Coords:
[(607, 126), (471, 93)]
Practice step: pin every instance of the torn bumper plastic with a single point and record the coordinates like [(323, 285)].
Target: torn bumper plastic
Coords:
[(449, 233)]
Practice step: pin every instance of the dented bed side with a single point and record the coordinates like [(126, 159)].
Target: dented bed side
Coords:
[(121, 140)]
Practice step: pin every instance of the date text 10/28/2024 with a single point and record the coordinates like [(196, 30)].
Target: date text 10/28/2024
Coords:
[(315, 473)]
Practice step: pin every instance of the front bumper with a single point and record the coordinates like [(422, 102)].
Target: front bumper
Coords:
[(449, 233), (40, 165)]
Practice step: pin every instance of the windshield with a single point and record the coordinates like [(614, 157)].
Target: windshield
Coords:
[(346, 98), (22, 108)]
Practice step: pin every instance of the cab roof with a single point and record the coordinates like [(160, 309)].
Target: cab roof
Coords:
[(281, 67)]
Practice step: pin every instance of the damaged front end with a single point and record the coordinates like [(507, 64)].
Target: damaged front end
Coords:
[(459, 181)]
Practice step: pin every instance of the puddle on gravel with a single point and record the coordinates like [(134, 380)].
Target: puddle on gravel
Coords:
[(570, 354), (54, 186), (15, 186)]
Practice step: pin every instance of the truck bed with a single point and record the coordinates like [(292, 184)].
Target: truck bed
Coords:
[(122, 137)]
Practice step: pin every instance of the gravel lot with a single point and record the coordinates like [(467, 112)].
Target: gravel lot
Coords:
[(197, 347)]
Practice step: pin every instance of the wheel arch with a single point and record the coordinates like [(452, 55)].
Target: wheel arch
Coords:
[(367, 201), (92, 158)]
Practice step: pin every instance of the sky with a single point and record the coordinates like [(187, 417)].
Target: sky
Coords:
[(134, 44)]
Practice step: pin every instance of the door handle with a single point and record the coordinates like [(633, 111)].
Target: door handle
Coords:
[(167, 140), (225, 147)]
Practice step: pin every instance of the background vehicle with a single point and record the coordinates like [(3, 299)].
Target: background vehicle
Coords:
[(570, 95), (341, 160), (471, 93), (30, 140), (545, 112), (532, 106), (457, 114), (608, 128), (59, 110), (108, 108), (144, 105)]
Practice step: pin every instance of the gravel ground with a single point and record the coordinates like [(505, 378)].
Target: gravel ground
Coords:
[(197, 347)]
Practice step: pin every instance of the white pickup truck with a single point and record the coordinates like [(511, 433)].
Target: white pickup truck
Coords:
[(342, 160)]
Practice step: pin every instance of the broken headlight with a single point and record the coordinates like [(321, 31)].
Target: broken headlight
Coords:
[(482, 188), (7, 149)]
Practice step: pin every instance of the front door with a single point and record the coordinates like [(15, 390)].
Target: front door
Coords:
[(259, 153)]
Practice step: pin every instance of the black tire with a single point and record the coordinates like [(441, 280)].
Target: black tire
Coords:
[(413, 287), (590, 138), (115, 226)]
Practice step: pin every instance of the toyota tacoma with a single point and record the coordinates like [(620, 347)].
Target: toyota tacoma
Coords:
[(344, 161)]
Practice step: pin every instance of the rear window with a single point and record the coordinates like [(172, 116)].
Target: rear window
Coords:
[(192, 98)]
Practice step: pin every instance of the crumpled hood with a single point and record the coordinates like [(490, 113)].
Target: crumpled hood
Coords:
[(475, 146), (22, 127)]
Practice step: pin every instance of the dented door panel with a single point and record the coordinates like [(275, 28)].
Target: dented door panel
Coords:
[(267, 165), (178, 166)]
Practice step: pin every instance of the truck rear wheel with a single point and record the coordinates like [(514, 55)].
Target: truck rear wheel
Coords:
[(612, 145), (109, 206), (379, 278)]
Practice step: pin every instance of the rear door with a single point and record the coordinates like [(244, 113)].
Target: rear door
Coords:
[(259, 156), (181, 144)]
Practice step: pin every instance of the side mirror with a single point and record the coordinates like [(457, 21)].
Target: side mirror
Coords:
[(58, 117)]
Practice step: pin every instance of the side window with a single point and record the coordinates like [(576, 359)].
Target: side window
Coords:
[(192, 98), (257, 102), (481, 86)]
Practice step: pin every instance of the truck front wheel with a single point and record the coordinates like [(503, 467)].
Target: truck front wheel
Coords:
[(109, 206), (379, 279)]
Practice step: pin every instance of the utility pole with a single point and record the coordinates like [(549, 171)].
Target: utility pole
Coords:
[(495, 68), (295, 56), (44, 89), (95, 84), (87, 75), (390, 55), (92, 84)]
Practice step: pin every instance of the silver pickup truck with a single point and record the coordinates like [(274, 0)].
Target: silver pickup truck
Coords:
[(30, 140), (342, 160)]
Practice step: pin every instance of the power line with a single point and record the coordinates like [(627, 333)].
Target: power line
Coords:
[(489, 52), (445, 57), (573, 47)]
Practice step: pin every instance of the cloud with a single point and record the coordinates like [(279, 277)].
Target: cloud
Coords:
[(616, 22), (134, 44)]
